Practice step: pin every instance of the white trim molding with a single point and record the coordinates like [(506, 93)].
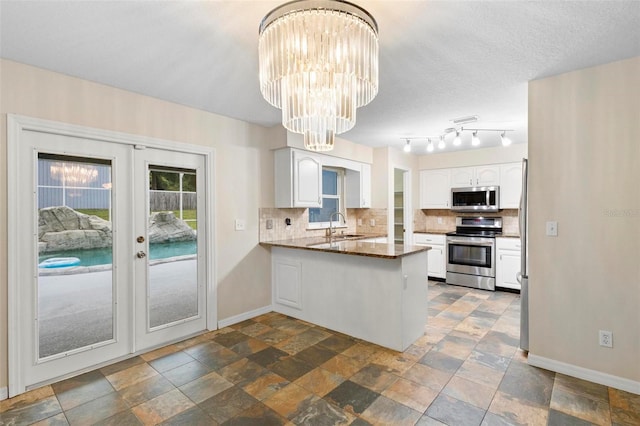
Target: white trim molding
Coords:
[(4, 393), (585, 373), (244, 316)]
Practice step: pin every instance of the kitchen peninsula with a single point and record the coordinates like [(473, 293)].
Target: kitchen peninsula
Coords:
[(373, 291)]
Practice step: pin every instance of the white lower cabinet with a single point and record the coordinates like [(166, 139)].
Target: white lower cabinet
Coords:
[(508, 262), (287, 280), (436, 256)]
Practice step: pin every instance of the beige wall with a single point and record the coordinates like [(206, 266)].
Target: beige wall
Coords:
[(584, 152), (244, 169), (474, 157)]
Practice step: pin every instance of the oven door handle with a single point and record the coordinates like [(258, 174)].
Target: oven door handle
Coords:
[(471, 243)]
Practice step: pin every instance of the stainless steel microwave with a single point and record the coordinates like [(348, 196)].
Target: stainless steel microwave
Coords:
[(475, 199)]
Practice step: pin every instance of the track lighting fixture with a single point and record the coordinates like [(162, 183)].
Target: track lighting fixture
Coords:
[(505, 140), (457, 140), (475, 140)]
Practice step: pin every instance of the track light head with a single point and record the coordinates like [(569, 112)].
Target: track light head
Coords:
[(505, 140), (441, 144), (475, 140), (407, 147), (457, 141), (429, 145)]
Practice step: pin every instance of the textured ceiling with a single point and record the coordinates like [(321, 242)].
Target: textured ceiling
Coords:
[(438, 59)]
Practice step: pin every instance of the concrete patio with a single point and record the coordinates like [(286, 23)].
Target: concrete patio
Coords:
[(76, 310)]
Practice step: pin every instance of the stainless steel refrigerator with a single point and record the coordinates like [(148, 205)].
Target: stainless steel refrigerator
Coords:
[(523, 276)]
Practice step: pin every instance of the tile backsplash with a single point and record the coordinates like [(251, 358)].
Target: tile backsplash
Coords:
[(443, 220), (300, 220), (367, 221)]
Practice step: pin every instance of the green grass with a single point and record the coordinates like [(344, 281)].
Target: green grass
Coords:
[(188, 216), (101, 213)]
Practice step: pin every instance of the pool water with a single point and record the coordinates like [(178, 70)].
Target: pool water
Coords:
[(103, 256)]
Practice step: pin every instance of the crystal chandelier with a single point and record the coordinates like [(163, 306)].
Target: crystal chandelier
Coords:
[(73, 174), (318, 62)]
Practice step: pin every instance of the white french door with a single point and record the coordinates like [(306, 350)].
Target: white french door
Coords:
[(169, 261), (108, 249)]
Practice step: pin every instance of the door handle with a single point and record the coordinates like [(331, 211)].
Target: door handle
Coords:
[(141, 255)]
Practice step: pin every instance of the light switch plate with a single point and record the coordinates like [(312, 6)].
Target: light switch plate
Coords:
[(372, 222), (360, 222), (552, 229), (240, 225)]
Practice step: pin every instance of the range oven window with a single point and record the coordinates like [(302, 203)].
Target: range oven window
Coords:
[(470, 255)]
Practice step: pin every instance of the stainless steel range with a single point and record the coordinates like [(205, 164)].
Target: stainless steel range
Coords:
[(471, 252)]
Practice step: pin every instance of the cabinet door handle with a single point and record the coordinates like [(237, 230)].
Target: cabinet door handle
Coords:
[(500, 257), (477, 181)]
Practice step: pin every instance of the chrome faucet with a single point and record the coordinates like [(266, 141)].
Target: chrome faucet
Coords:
[(331, 230)]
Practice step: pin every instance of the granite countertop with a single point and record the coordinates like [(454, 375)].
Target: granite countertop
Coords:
[(503, 235), (355, 247)]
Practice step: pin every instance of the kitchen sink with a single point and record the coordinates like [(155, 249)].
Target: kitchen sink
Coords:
[(347, 236)]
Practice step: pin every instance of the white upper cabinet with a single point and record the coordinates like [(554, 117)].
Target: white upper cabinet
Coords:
[(510, 185), (435, 190), (487, 175), (365, 179), (462, 176), (358, 185), (298, 179), (475, 176)]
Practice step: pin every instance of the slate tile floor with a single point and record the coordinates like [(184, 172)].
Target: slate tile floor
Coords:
[(273, 370)]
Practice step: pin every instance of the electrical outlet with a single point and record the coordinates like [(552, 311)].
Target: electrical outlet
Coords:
[(269, 223), (360, 222), (439, 221), (239, 225), (606, 338), (552, 229), (372, 222)]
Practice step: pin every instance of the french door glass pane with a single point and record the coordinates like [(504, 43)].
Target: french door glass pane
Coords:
[(75, 251), (173, 267)]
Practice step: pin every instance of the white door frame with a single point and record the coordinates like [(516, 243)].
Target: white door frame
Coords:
[(407, 190), (16, 126)]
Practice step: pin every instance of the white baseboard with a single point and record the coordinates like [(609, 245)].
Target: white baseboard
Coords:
[(4, 393), (244, 316), (585, 373)]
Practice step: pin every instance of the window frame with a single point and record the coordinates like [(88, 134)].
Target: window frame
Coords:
[(341, 202)]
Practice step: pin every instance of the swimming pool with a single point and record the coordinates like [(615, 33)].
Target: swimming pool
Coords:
[(103, 256)]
